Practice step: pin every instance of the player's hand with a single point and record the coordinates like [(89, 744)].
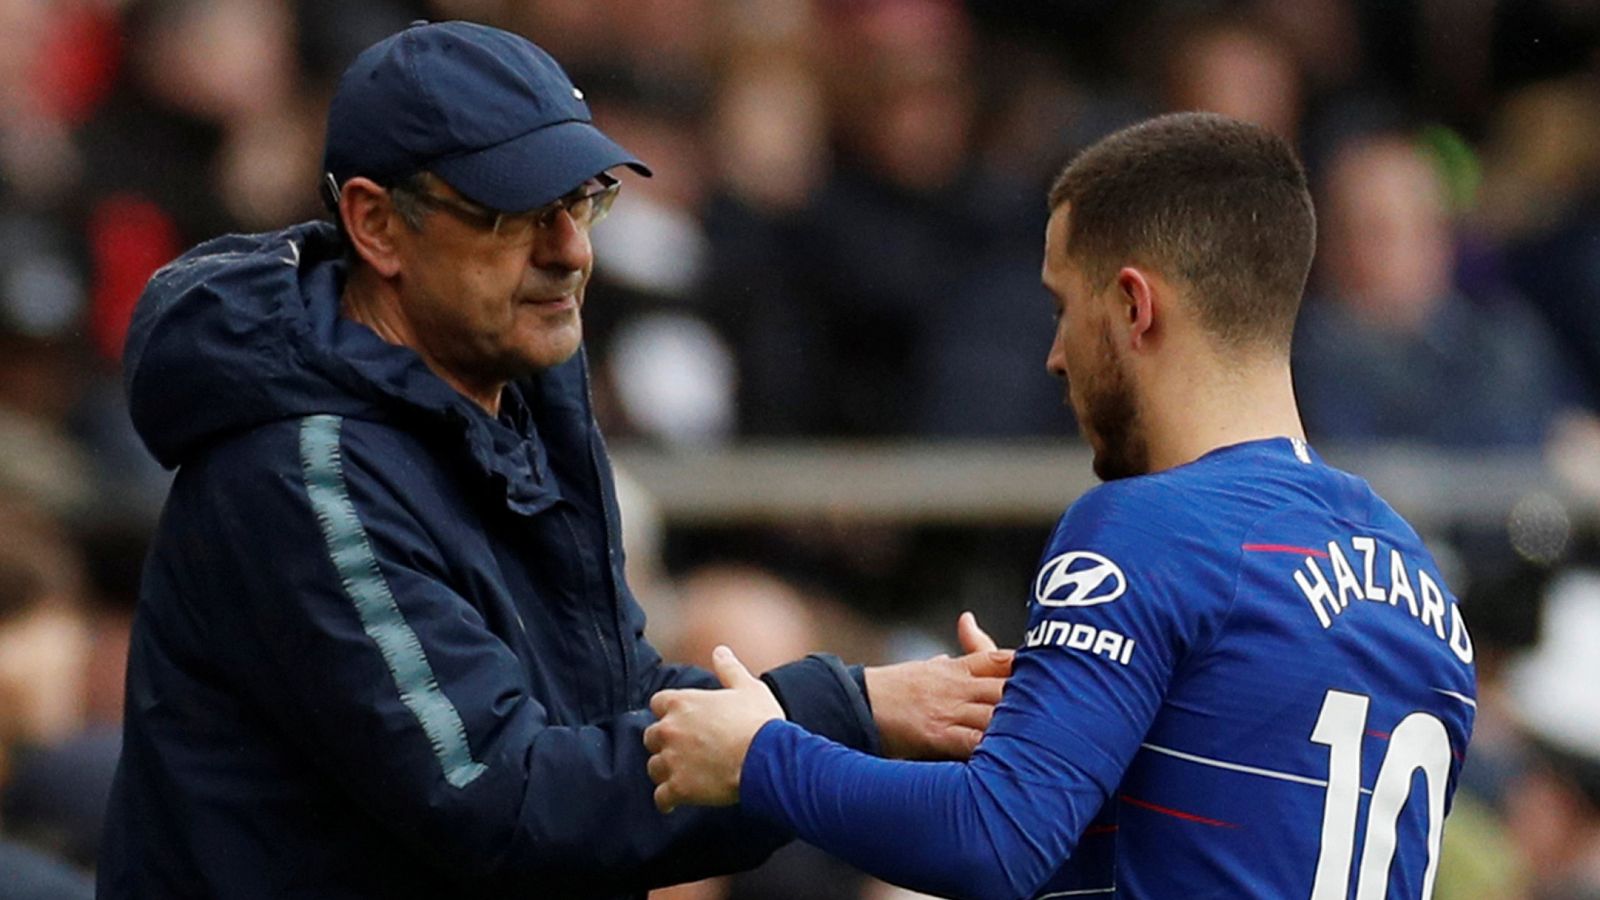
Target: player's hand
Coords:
[(698, 745), (939, 708)]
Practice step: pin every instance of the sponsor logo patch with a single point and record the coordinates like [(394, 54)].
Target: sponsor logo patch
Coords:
[(1079, 578), (1112, 645)]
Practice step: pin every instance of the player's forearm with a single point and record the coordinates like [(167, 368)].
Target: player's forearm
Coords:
[(935, 827)]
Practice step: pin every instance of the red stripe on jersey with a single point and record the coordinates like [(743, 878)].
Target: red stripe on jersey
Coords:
[(1284, 548), (1176, 813)]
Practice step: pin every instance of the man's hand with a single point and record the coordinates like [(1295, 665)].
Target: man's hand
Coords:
[(939, 708), (698, 746)]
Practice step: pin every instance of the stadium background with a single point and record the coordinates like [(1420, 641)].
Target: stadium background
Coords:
[(819, 337)]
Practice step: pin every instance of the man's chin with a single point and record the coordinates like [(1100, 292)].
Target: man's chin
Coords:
[(554, 355), (1114, 466), (1105, 469), (549, 348)]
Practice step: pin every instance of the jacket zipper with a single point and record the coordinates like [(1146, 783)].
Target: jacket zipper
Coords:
[(599, 629), (614, 590), (608, 563)]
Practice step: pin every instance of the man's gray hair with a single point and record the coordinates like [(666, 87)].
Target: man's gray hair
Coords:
[(405, 194)]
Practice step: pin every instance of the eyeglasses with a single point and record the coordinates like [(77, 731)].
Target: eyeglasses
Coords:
[(587, 205)]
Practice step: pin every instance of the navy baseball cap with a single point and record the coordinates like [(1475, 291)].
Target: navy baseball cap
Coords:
[(484, 109)]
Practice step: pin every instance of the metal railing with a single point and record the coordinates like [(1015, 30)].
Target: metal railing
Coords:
[(932, 482)]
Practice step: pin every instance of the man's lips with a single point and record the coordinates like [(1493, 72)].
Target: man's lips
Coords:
[(560, 302)]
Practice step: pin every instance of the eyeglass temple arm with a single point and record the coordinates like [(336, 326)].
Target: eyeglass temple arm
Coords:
[(328, 189)]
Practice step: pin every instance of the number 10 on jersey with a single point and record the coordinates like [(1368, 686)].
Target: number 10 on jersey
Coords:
[(1419, 742)]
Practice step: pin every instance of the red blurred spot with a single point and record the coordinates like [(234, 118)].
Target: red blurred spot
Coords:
[(78, 62), (129, 239)]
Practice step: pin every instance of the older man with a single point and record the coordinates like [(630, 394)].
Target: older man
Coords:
[(384, 646)]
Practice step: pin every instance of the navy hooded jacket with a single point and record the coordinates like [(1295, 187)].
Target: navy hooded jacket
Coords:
[(383, 646)]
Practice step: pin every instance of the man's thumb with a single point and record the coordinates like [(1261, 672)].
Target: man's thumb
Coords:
[(730, 671), (973, 638)]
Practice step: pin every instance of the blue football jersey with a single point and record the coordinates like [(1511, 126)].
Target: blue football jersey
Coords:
[(1242, 677)]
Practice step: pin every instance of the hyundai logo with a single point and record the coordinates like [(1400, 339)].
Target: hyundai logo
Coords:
[(1079, 578)]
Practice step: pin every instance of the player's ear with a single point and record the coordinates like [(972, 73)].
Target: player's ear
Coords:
[(1137, 298), (369, 223)]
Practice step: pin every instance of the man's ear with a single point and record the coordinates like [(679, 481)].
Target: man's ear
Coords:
[(1138, 297), (370, 222)]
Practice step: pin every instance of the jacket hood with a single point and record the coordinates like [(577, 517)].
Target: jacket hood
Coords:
[(245, 330)]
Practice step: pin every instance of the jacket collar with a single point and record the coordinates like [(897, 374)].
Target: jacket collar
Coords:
[(508, 450)]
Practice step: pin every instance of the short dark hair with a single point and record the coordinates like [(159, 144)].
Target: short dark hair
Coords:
[(1216, 203)]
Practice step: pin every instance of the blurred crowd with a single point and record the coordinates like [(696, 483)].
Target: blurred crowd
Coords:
[(842, 240)]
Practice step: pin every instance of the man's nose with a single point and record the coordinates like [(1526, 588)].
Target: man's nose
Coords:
[(1056, 361), (563, 245)]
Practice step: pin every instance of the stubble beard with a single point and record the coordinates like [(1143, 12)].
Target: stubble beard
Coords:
[(1111, 416)]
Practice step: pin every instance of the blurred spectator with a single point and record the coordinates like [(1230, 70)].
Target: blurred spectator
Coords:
[(1388, 348), (770, 134), (43, 639), (44, 647), (859, 314), (770, 139), (903, 81), (661, 39), (39, 383), (1324, 35), (1503, 616), (1233, 65), (1554, 811), (887, 242), (204, 136), (578, 31), (61, 666), (1542, 199), (757, 614)]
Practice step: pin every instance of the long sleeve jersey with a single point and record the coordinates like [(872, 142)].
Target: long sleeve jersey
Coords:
[(1242, 677)]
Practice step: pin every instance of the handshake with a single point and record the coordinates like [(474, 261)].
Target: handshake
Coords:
[(928, 709)]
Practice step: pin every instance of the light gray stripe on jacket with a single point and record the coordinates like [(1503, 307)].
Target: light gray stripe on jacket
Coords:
[(367, 589)]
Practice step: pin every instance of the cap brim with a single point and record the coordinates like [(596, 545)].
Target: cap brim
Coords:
[(533, 169)]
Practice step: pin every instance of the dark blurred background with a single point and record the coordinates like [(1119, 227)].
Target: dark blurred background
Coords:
[(819, 335)]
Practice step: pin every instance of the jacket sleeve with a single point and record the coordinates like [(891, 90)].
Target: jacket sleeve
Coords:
[(343, 632)]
